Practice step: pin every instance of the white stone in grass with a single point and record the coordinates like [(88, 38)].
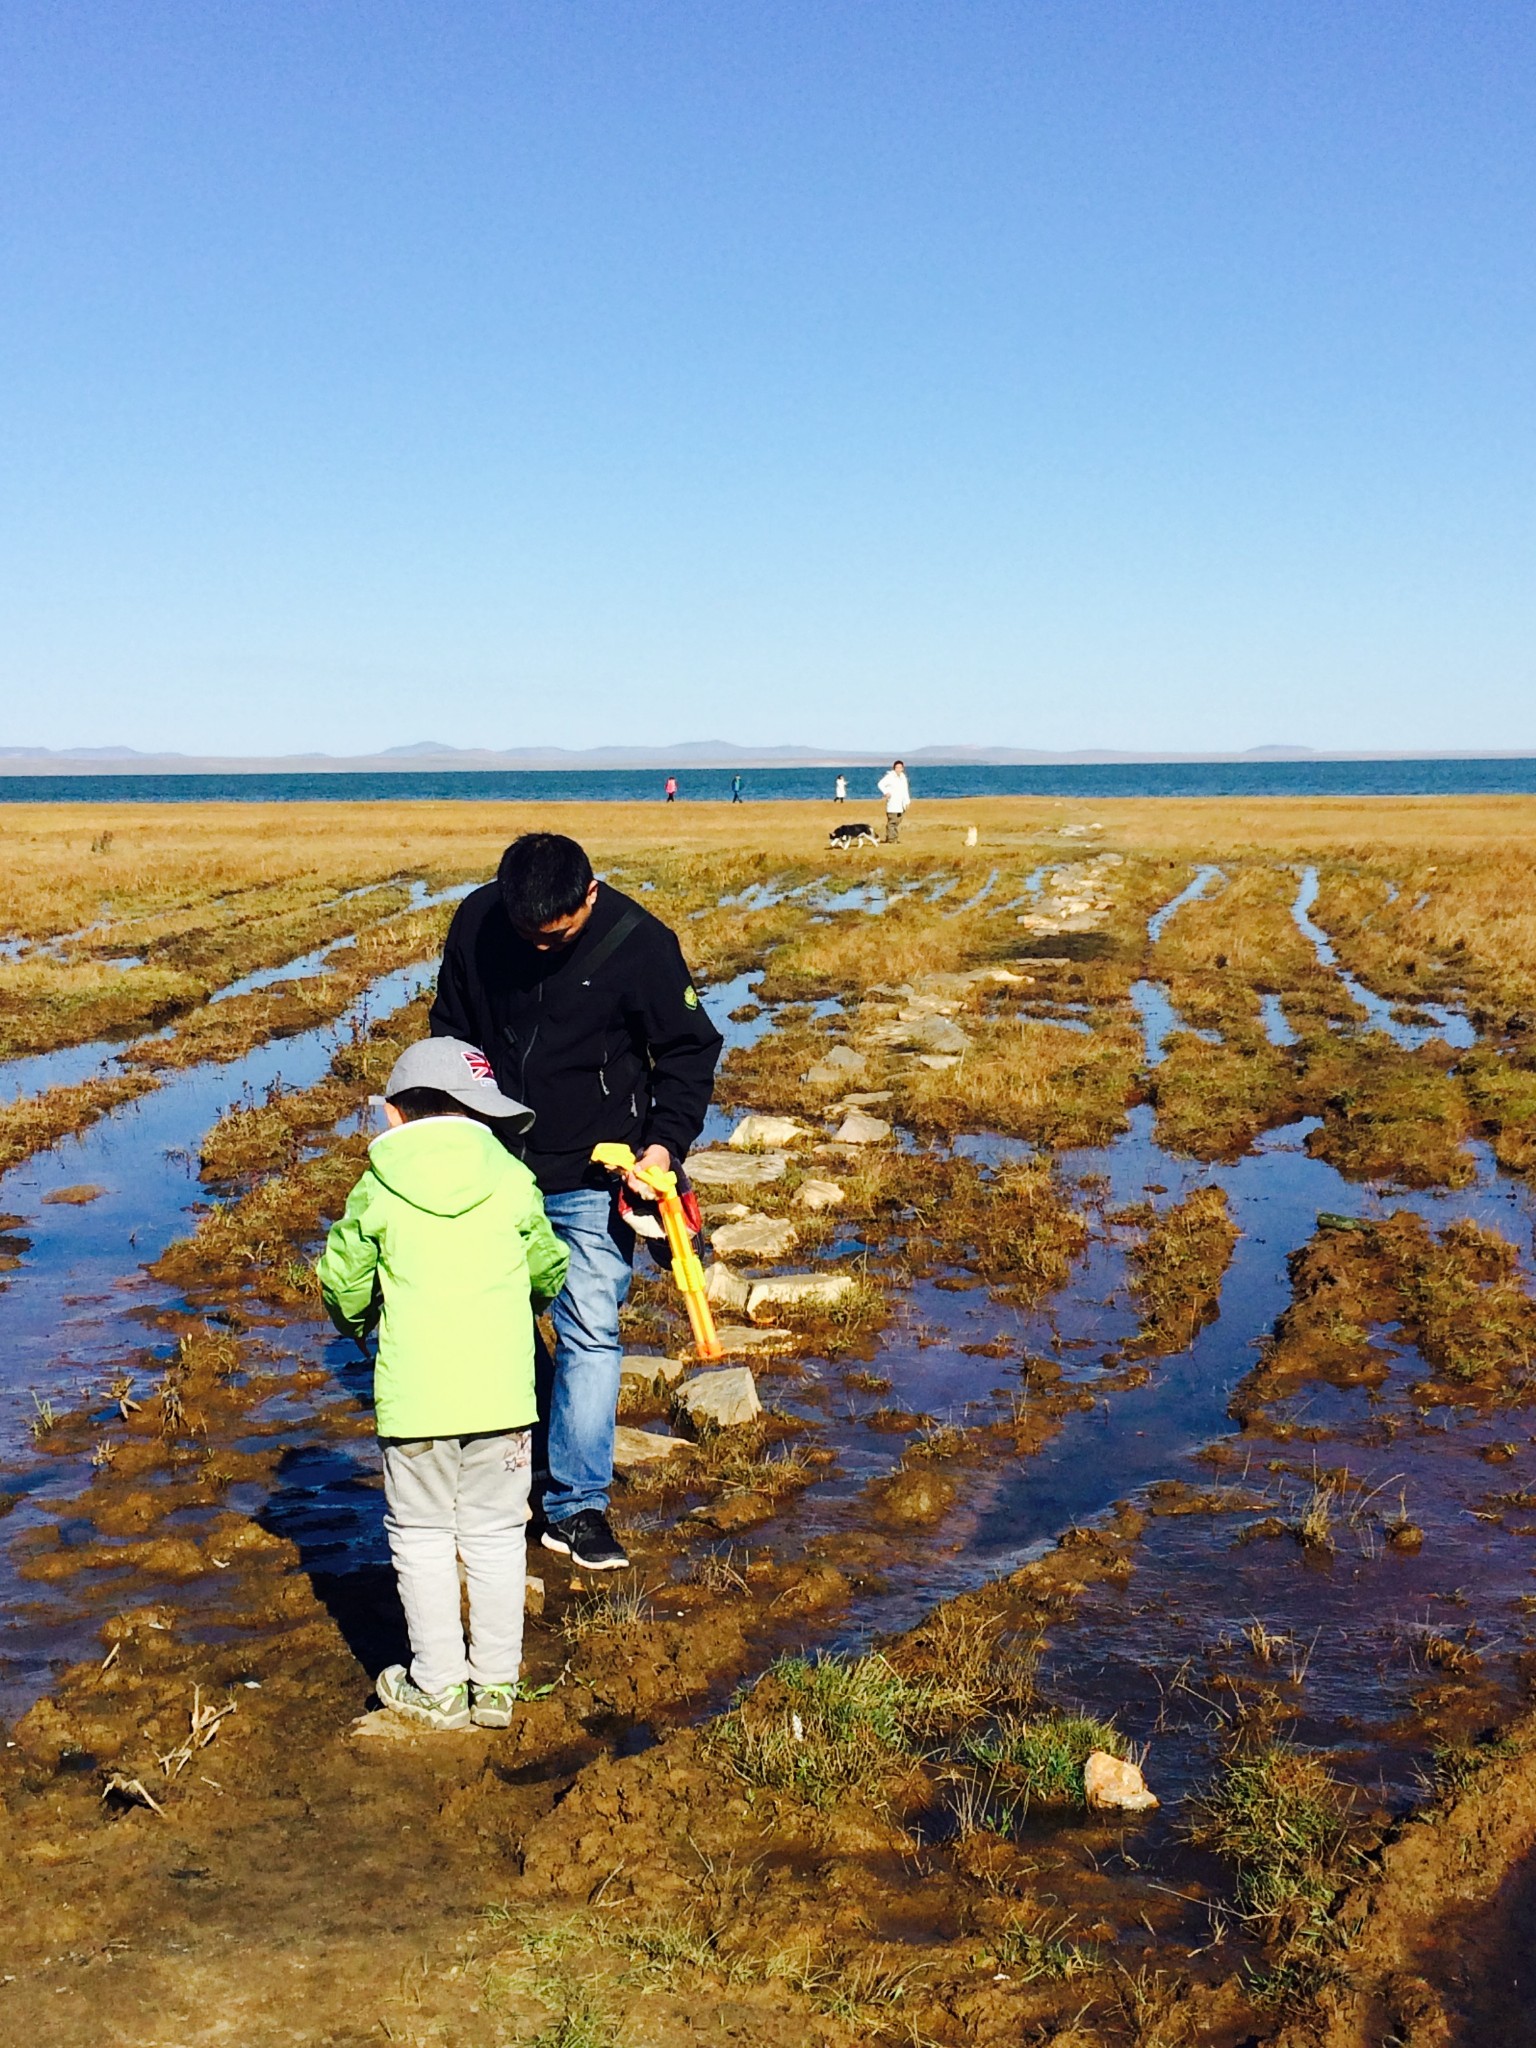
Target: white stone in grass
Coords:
[(647, 1371), (819, 1194), (636, 1448), (725, 1288), (1111, 1785), (723, 1399), (939, 1062), (799, 1290), (736, 1169), (755, 1132), (735, 1339), (858, 1128), (937, 1034), (755, 1237)]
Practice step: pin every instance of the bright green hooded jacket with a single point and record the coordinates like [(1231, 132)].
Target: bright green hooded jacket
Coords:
[(445, 1244)]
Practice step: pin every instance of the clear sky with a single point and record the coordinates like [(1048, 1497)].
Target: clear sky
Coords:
[(860, 373)]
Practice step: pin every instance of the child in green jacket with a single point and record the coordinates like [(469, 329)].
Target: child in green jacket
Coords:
[(445, 1245)]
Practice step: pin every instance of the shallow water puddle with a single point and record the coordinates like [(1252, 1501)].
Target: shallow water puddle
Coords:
[(73, 1310), (1445, 1022)]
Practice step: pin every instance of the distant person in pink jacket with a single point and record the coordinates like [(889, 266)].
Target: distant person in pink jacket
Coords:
[(671, 789)]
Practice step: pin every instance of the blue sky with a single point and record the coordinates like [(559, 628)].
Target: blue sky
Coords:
[(864, 374)]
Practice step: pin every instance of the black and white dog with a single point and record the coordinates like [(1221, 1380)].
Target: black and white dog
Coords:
[(844, 836)]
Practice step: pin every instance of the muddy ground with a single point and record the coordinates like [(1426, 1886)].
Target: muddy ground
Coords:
[(1177, 1407)]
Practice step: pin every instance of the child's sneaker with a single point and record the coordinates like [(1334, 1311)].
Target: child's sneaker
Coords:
[(446, 1710), (490, 1706)]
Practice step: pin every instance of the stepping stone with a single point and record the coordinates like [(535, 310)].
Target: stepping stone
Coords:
[(646, 1372), (723, 1212), (736, 1169), (819, 1194), (723, 1399), (858, 1129), (735, 1339), (724, 1288), (842, 1063), (764, 1131), (633, 1449), (867, 1098), (937, 1034), (799, 1290), (756, 1237), (940, 1062)]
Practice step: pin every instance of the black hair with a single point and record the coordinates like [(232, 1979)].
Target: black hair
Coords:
[(416, 1103), (543, 876)]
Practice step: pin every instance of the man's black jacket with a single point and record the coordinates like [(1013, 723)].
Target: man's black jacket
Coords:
[(622, 1053)]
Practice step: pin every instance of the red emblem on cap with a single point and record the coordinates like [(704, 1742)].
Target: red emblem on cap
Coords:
[(480, 1066)]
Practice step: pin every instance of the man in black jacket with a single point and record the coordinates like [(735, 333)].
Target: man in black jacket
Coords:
[(583, 1004)]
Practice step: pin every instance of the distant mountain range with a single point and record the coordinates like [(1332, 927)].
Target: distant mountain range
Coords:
[(429, 754)]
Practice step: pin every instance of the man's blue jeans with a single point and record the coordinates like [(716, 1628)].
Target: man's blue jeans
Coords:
[(578, 1389)]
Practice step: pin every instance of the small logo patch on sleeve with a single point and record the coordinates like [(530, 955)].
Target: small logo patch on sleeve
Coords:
[(691, 996)]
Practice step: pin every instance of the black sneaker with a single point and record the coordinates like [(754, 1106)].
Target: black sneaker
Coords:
[(587, 1540)]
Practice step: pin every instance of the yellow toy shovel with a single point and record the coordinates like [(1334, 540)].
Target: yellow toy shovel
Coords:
[(686, 1269)]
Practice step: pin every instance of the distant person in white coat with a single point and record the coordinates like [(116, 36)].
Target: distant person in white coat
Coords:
[(894, 788), (840, 790)]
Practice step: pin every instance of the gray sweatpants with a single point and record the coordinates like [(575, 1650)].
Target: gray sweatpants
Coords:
[(452, 1498)]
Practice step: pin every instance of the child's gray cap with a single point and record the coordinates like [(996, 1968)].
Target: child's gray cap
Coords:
[(457, 1070)]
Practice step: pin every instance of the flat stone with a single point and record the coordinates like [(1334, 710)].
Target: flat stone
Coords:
[(736, 1169), (723, 1212), (736, 1339), (819, 1194), (77, 1196), (636, 1448), (841, 1063), (755, 1132), (936, 1034), (724, 1288), (756, 1237), (858, 1129), (799, 1290), (940, 1062), (722, 1399), (1111, 1785), (867, 1098), (646, 1372)]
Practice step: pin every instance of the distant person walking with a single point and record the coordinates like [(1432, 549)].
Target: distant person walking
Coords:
[(671, 789), (735, 789), (840, 790), (893, 786)]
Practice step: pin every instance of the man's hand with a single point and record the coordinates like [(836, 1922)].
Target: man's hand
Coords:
[(653, 1155)]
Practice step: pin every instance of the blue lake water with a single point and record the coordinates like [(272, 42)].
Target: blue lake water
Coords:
[(777, 785)]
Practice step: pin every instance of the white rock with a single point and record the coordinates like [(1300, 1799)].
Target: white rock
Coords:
[(724, 1288), (756, 1237), (970, 835), (940, 1062), (723, 1212), (1112, 1786), (634, 1448), (819, 1194), (723, 1399), (736, 1169), (858, 1129), (736, 1339), (646, 1372), (756, 1132), (937, 1034), (799, 1290)]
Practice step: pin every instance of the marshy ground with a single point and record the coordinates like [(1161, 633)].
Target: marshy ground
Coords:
[(1171, 1398)]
